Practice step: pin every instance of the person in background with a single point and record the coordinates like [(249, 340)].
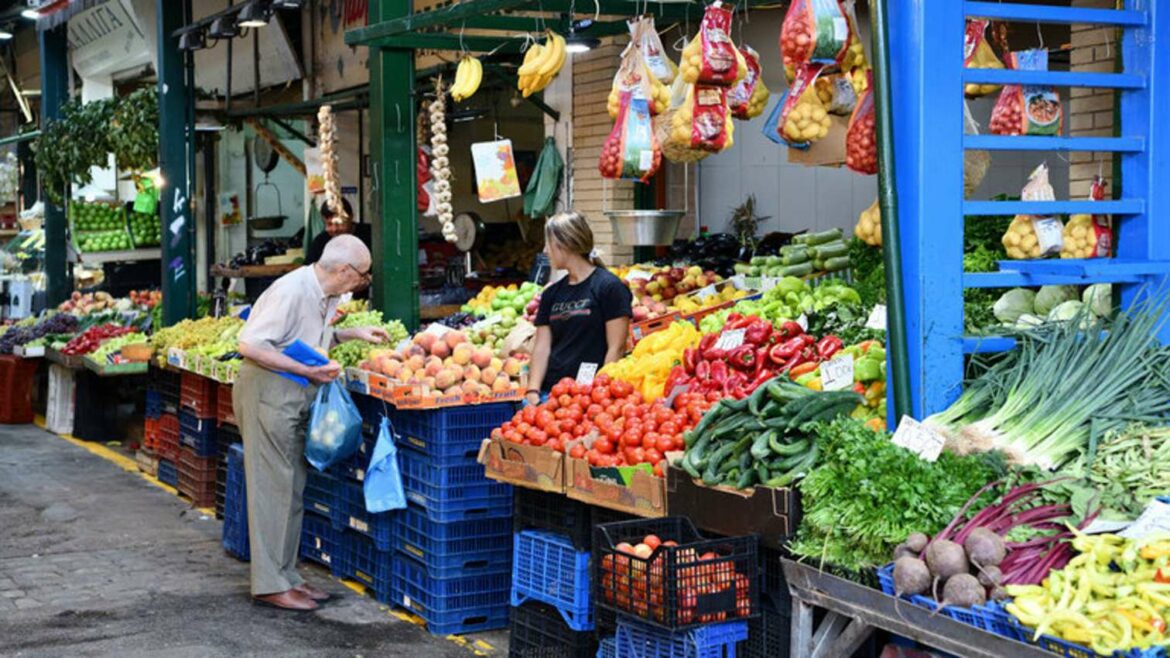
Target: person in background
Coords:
[(584, 317), (272, 410), (334, 226)]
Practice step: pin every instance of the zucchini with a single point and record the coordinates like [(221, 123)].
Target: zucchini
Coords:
[(795, 258), (800, 269), (829, 250), (792, 249), (837, 263), (820, 238)]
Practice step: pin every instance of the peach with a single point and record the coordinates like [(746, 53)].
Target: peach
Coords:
[(470, 388), (378, 353), (454, 338), (512, 367), (488, 376), (446, 378), (482, 357), (471, 373), (390, 367), (416, 362), (406, 374), (429, 382), (415, 350), (452, 390), (462, 354), (497, 364), (502, 384), (434, 367), (485, 390), (440, 349), (425, 340)]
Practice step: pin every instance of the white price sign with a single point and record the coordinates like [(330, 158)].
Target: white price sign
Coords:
[(1049, 234), (837, 373), (436, 329), (877, 318), (1155, 520), (730, 339), (678, 390), (638, 274), (803, 321), (705, 291), (586, 373), (919, 439)]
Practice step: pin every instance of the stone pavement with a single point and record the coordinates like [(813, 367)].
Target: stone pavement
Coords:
[(96, 561)]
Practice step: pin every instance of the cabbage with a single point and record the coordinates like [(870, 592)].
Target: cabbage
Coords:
[(1012, 304), (1099, 298), (1028, 320), (1066, 311), (1050, 297)]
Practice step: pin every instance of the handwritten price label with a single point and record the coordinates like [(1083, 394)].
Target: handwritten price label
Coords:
[(837, 374), (730, 339), (586, 373), (1155, 520), (877, 318), (919, 439)]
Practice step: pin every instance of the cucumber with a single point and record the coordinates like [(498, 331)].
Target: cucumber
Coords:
[(821, 403), (829, 250), (746, 479), (761, 446), (714, 466), (800, 269), (837, 263), (756, 398), (789, 449)]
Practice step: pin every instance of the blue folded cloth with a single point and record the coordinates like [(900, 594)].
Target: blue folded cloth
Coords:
[(301, 352)]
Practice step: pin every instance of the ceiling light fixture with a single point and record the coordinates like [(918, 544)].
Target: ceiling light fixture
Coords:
[(255, 14), (192, 40), (575, 43), (31, 14), (5, 35), (223, 28)]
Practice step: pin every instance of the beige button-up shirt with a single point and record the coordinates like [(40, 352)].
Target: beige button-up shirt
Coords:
[(293, 307)]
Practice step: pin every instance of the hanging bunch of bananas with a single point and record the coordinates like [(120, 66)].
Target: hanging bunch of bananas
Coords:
[(467, 78), (541, 64)]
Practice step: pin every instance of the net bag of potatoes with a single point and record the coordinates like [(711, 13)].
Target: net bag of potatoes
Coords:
[(1028, 110), (635, 78), (869, 225), (749, 96), (1089, 236), (799, 119), (711, 58), (977, 54), (697, 124), (1031, 236)]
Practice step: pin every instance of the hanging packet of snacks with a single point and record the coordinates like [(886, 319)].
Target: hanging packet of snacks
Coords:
[(1089, 236), (631, 150), (673, 127), (861, 137), (837, 93), (975, 162), (711, 58), (749, 96), (814, 31), (799, 119), (1028, 110), (1030, 236), (634, 77), (977, 54), (643, 32), (711, 125)]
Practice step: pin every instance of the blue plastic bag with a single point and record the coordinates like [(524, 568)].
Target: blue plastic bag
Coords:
[(301, 352), (383, 482), (335, 427)]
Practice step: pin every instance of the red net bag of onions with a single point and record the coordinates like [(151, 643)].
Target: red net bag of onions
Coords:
[(814, 31), (631, 150), (861, 137), (1027, 110)]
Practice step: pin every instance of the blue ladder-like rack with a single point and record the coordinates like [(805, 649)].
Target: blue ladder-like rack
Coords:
[(926, 58)]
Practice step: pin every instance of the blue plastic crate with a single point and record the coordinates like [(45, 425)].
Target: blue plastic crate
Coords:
[(235, 508), (349, 512), (198, 434), (168, 473), (358, 463), (636, 640), (451, 605), (451, 550), (451, 435), (547, 568), (607, 648), (1001, 622), (154, 404), (320, 493), (459, 493), (371, 410), (969, 616), (362, 561), (319, 541)]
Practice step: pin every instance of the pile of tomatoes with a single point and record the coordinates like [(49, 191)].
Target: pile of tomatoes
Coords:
[(635, 579), (623, 429)]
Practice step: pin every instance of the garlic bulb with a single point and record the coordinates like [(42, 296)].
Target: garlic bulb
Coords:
[(327, 142), (440, 165)]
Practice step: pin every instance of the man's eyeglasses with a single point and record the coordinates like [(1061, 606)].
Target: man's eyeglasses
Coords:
[(366, 276)]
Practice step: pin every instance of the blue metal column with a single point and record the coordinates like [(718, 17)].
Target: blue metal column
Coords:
[(176, 132), (54, 93)]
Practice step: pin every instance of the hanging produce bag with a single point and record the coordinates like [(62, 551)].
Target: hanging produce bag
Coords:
[(837, 93), (541, 196), (854, 59), (673, 128), (635, 78), (977, 54), (869, 225), (631, 150), (643, 33), (1089, 236), (799, 119), (814, 31), (748, 98), (1030, 236), (495, 171), (335, 427), (382, 484), (975, 162), (1028, 110), (423, 203), (861, 137), (711, 58)]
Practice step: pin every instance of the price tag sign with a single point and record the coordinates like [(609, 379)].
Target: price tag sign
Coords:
[(402, 344), (489, 321), (638, 274), (705, 291), (730, 339), (646, 160), (678, 390), (877, 318), (837, 373), (1049, 234), (1155, 520), (919, 439), (803, 321), (586, 373), (437, 329)]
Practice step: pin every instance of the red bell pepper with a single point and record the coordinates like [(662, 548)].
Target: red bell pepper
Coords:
[(743, 358), (703, 370), (759, 332), (717, 371), (776, 356), (762, 360), (790, 329), (737, 321), (810, 353), (762, 377), (706, 343), (690, 357), (829, 346), (735, 385), (794, 345)]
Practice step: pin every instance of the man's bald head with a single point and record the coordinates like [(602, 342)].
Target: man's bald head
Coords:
[(345, 250)]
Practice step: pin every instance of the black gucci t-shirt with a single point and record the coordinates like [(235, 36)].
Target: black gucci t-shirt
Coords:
[(577, 314)]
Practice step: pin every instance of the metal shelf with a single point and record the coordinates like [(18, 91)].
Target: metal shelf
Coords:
[(125, 256), (987, 344), (1044, 208), (1059, 15), (1054, 78), (1025, 143)]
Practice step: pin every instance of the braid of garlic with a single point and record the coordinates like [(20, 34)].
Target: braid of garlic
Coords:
[(327, 142), (440, 165)]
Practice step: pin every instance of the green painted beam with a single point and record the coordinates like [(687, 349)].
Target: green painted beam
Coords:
[(54, 92), (510, 23), (453, 42), (393, 161), (176, 129), (20, 137), (453, 14)]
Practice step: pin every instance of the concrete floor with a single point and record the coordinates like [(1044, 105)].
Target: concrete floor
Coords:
[(98, 561)]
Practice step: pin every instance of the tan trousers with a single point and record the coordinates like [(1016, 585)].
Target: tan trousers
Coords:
[(272, 413)]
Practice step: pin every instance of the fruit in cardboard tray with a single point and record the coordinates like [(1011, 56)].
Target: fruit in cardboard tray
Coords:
[(457, 373)]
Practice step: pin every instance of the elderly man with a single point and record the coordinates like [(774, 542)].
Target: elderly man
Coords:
[(273, 410)]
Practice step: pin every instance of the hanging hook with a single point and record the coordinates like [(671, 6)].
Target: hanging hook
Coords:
[(1040, 36), (462, 47)]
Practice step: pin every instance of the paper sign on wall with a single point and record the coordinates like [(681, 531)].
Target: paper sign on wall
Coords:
[(495, 171)]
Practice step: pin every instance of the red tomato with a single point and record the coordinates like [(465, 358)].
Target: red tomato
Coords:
[(638, 457), (603, 446), (577, 451), (653, 456), (564, 399), (665, 443), (630, 455), (555, 444), (594, 457), (660, 469), (649, 439)]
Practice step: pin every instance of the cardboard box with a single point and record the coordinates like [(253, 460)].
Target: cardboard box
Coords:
[(773, 514), (826, 152), (644, 496), (522, 465)]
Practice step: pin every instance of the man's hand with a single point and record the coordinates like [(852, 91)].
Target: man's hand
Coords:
[(376, 335), (323, 374)]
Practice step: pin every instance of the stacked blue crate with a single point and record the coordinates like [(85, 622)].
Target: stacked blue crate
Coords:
[(547, 568), (235, 507), (638, 640), (454, 540)]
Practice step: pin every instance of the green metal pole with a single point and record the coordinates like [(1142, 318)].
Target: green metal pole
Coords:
[(393, 156), (888, 201), (54, 93), (176, 132)]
